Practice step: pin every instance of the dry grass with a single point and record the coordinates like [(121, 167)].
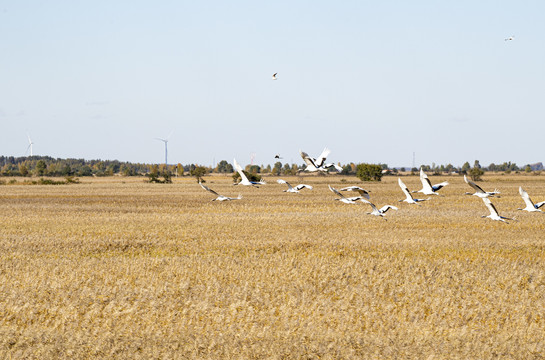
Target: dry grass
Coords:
[(114, 269)]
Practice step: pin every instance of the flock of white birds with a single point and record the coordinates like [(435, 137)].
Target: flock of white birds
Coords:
[(319, 164)]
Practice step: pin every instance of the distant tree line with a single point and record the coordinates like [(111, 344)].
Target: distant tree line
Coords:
[(506, 167), (47, 166)]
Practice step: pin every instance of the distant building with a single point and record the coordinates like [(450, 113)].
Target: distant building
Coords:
[(537, 166)]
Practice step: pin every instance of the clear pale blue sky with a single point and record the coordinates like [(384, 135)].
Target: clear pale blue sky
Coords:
[(374, 81)]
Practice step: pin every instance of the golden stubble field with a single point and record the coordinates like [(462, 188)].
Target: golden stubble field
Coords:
[(118, 268)]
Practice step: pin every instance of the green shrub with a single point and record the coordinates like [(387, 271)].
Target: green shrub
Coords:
[(369, 172), (476, 173)]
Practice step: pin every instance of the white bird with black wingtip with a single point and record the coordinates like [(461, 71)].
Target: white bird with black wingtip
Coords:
[(379, 212), (530, 206), (318, 164), (427, 187), (219, 197), (479, 191), (364, 193), (243, 179), (292, 189), (494, 215), (408, 197), (349, 200)]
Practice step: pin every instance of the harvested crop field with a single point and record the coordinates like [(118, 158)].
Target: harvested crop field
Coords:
[(119, 268)]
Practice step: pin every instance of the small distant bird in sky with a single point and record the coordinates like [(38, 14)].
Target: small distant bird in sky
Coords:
[(277, 156), (510, 38), (274, 76)]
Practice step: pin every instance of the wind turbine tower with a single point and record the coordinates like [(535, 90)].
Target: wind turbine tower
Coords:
[(166, 149), (30, 143)]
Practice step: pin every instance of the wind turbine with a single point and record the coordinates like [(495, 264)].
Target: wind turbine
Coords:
[(166, 147), (30, 143)]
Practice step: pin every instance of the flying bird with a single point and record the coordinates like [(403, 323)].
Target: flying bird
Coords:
[(277, 156), (493, 212), (219, 197), (409, 198), (274, 76), (427, 187), (479, 191), (292, 189), (379, 212), (318, 164), (530, 206), (243, 179), (510, 38), (364, 193), (350, 200)]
